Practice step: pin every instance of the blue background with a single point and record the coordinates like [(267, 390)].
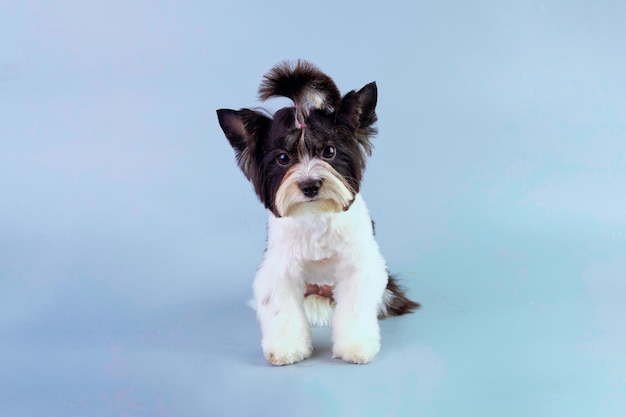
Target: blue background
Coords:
[(129, 238)]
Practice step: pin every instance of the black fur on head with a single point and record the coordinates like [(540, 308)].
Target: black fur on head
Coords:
[(304, 84), (321, 124)]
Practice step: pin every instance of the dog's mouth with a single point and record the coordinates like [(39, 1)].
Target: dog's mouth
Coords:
[(315, 205), (324, 201)]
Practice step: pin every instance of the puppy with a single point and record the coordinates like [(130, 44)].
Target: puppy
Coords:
[(322, 264)]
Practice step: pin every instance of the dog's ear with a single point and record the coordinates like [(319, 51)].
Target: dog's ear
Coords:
[(243, 129), (357, 113), (368, 97)]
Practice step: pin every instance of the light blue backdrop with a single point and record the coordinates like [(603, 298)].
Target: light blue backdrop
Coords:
[(129, 239)]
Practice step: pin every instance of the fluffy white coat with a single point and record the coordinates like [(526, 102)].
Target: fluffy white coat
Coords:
[(336, 249)]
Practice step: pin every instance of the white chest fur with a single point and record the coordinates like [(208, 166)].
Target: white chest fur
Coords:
[(321, 238)]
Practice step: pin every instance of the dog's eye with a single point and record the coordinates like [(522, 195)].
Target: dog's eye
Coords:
[(283, 159), (328, 152)]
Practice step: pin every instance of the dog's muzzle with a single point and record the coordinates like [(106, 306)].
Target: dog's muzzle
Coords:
[(313, 186)]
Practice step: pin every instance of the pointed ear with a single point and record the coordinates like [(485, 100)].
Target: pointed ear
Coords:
[(357, 114), (368, 97), (243, 129)]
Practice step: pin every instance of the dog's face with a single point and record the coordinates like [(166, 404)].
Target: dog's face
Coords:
[(308, 158)]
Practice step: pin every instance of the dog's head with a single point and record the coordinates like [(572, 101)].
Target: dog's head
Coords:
[(308, 158)]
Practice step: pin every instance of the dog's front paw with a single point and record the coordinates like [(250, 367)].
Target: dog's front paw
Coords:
[(287, 355), (353, 351)]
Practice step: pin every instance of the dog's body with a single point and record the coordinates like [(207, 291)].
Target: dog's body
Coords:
[(322, 264)]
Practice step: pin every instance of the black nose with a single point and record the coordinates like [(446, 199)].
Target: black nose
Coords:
[(310, 188)]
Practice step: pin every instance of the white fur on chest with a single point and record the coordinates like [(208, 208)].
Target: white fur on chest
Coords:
[(318, 243)]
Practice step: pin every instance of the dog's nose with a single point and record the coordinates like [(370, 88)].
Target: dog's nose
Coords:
[(310, 188)]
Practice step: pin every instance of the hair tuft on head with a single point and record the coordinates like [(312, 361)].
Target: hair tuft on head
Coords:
[(303, 83)]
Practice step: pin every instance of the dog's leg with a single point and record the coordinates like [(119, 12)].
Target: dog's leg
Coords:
[(358, 290), (279, 295)]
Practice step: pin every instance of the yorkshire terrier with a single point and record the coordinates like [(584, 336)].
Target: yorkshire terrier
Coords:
[(322, 264)]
